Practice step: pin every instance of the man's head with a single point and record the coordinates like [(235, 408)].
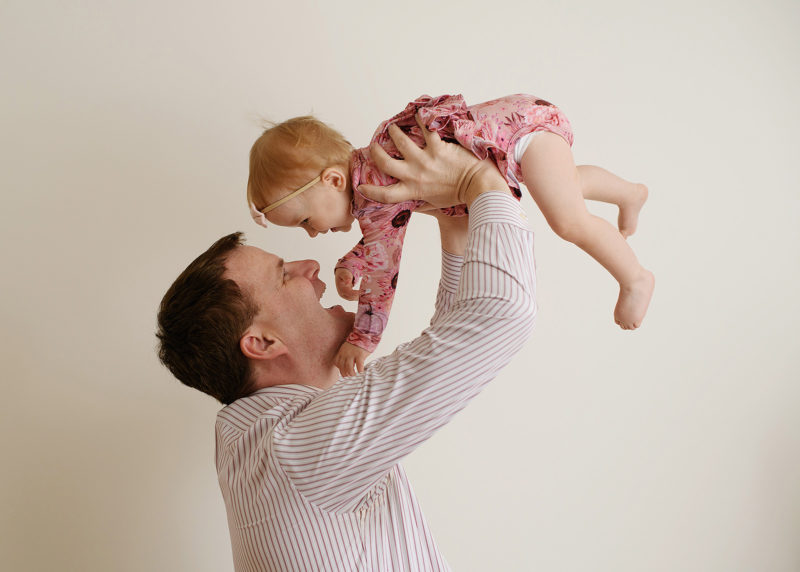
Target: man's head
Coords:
[(239, 319), (200, 321)]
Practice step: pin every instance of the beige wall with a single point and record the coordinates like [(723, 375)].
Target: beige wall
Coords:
[(124, 132)]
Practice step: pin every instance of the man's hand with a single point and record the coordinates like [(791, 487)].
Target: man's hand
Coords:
[(443, 174), (344, 284), (349, 359)]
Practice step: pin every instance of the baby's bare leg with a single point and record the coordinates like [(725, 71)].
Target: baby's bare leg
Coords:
[(549, 172), (597, 184)]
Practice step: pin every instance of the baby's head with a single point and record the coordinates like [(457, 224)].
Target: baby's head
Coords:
[(307, 163)]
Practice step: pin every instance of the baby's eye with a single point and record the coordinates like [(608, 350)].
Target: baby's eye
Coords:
[(305, 222)]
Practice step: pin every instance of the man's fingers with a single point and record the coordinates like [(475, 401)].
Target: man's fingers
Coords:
[(431, 137), (376, 192), (394, 167), (403, 142), (396, 193)]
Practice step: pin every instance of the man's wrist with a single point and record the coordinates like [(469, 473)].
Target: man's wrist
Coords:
[(485, 177), (495, 207)]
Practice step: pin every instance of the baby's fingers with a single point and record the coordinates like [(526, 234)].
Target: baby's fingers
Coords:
[(347, 292), (344, 284), (350, 359), (341, 363)]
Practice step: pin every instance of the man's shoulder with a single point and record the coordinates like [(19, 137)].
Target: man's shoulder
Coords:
[(265, 405)]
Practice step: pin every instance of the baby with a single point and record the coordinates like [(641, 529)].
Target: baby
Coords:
[(303, 173)]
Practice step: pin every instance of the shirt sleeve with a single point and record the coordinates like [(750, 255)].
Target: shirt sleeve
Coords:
[(448, 284), (344, 442)]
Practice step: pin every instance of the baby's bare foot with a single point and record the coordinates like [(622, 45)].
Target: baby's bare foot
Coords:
[(633, 301), (629, 210)]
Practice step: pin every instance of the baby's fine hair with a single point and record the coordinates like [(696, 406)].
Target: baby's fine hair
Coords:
[(289, 154)]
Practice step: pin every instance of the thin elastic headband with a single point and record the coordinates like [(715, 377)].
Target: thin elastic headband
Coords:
[(258, 215)]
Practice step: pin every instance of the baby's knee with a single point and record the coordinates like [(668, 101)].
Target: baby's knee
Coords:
[(569, 228)]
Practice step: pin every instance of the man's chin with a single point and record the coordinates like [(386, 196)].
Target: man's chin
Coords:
[(340, 313)]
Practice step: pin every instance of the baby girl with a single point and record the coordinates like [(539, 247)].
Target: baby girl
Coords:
[(303, 173)]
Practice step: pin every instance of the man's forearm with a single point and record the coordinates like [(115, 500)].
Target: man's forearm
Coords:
[(448, 283), (406, 396)]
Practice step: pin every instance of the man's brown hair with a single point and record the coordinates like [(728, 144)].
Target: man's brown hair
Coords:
[(200, 321)]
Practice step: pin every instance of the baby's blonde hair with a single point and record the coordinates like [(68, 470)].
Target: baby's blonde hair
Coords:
[(288, 154)]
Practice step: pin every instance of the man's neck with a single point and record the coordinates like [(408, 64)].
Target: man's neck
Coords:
[(322, 378)]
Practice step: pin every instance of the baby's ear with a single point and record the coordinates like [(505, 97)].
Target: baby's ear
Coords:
[(335, 177)]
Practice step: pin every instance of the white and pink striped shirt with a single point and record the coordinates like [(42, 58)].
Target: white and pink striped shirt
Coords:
[(311, 479)]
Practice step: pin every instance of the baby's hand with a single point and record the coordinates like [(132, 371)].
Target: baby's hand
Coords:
[(344, 284), (349, 359)]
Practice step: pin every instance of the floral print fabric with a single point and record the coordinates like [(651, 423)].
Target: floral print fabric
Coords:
[(489, 130)]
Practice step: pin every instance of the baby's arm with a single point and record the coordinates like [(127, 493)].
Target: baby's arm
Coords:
[(453, 231), (349, 270), (384, 230)]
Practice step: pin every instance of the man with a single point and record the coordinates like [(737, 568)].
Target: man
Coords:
[(308, 462)]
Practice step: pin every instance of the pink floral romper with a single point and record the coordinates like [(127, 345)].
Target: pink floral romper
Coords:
[(489, 129)]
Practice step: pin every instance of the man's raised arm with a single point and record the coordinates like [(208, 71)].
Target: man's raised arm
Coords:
[(403, 398)]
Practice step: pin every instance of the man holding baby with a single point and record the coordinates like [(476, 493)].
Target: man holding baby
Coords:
[(308, 461)]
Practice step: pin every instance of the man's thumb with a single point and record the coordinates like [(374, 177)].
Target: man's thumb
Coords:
[(395, 193)]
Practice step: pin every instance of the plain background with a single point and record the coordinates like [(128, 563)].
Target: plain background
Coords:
[(124, 134)]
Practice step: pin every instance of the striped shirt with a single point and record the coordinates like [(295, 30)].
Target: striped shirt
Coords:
[(311, 478)]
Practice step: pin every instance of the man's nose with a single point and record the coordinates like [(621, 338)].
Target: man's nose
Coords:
[(306, 268)]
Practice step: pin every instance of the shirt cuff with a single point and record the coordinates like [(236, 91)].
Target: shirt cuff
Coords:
[(451, 270), (496, 207)]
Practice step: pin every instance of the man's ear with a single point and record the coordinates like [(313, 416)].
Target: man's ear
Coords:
[(261, 346), (335, 177)]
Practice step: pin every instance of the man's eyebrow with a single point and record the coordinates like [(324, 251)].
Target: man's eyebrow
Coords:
[(279, 266)]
